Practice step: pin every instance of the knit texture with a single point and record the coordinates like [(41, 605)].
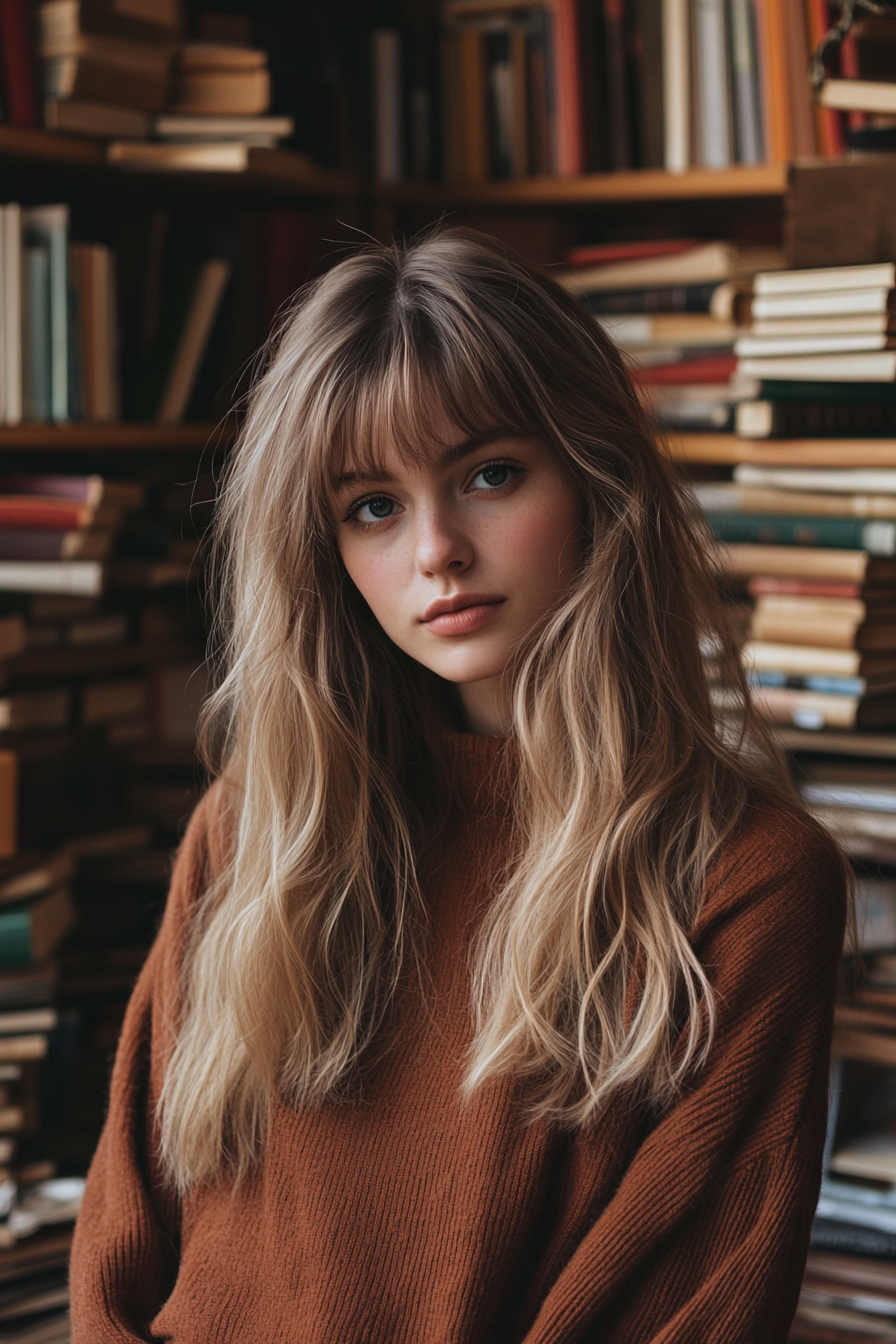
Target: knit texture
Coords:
[(411, 1217)]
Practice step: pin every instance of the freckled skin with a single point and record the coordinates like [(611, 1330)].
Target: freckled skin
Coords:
[(501, 523)]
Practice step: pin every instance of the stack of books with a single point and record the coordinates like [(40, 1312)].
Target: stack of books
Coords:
[(817, 556), (105, 67), (216, 115), (506, 90), (670, 306)]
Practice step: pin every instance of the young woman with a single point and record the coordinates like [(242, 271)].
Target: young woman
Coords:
[(493, 997)]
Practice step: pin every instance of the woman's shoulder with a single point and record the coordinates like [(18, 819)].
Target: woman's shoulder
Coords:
[(781, 869)]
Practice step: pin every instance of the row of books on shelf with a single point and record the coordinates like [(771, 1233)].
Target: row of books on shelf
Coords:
[(59, 326), (497, 90)]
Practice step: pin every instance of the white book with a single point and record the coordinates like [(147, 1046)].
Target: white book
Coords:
[(820, 344), (838, 302), (873, 367), (677, 84), (175, 156), (878, 275), (858, 95), (712, 84), (849, 324), (871, 480), (252, 130), (81, 577), (387, 87), (11, 315)]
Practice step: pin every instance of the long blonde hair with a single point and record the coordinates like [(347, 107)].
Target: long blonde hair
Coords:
[(321, 728)]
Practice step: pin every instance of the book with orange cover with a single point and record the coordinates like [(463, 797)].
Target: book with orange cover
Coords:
[(828, 123), (773, 65)]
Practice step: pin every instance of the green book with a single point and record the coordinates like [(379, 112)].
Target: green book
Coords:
[(876, 537), (29, 932)]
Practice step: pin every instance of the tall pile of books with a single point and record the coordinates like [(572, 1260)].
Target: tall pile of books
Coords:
[(670, 307), (498, 90)]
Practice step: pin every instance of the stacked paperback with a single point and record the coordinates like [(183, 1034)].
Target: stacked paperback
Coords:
[(670, 308)]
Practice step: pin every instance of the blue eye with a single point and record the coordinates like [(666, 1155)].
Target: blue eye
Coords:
[(495, 476)]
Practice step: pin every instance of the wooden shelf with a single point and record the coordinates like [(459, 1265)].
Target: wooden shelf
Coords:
[(766, 179), (728, 450), (276, 171), (106, 436)]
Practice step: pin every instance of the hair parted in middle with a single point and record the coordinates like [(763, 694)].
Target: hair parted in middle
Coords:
[(321, 729)]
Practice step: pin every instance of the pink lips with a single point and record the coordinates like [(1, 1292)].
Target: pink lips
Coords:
[(461, 614)]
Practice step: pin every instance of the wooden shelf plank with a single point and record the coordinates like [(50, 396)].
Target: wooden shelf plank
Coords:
[(270, 170), (111, 437), (764, 179), (728, 449)]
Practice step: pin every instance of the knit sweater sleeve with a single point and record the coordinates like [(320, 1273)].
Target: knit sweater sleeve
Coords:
[(705, 1237), (124, 1258)]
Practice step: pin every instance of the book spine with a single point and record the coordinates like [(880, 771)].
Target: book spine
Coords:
[(776, 95), (620, 129), (500, 112), (649, 84), (829, 124), (677, 85), (570, 151), (59, 321), (797, 56), (387, 100), (713, 92), (11, 317), (815, 419), (18, 86), (748, 112), (661, 299), (37, 352), (15, 939), (832, 1234), (877, 537)]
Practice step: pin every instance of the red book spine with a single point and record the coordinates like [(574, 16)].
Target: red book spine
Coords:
[(22, 511), (849, 69), (717, 369), (19, 89), (570, 129), (762, 584)]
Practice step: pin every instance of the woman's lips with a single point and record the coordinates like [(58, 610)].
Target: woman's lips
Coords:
[(465, 619)]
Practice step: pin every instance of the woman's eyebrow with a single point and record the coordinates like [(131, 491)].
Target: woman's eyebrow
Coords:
[(447, 458)]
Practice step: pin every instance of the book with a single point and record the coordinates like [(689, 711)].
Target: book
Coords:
[(31, 985), (748, 130), (52, 576), (660, 299), (715, 261), (62, 21), (837, 480), (712, 84), (801, 105), (386, 72), (91, 490), (881, 275), (633, 330), (733, 497), (29, 874), (711, 369), (824, 305), (175, 156), (105, 702), (107, 69), (867, 1046), (879, 366), (30, 932), (856, 686), (9, 803), (876, 536), (12, 636), (37, 543), (252, 130), (799, 659), (27, 1020), (206, 301), (814, 710), (770, 419), (859, 95), (37, 378), (647, 41), (874, 798), (820, 344), (100, 121), (93, 284), (677, 97), (848, 324), (618, 94), (18, 91), (826, 632), (35, 709), (805, 562), (45, 230), (570, 136), (11, 312), (215, 79)]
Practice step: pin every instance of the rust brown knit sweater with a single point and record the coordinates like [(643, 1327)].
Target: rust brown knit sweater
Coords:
[(411, 1218)]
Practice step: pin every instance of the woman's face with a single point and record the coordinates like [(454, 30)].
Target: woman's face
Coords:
[(459, 559)]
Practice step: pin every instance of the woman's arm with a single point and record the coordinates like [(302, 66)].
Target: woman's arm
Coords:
[(705, 1239), (125, 1254)]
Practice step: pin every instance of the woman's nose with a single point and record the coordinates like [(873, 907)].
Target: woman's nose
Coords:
[(443, 545)]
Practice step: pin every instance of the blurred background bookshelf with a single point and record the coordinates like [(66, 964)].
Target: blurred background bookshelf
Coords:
[(661, 157)]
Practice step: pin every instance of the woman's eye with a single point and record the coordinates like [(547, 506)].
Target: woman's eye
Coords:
[(498, 474), (374, 510)]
